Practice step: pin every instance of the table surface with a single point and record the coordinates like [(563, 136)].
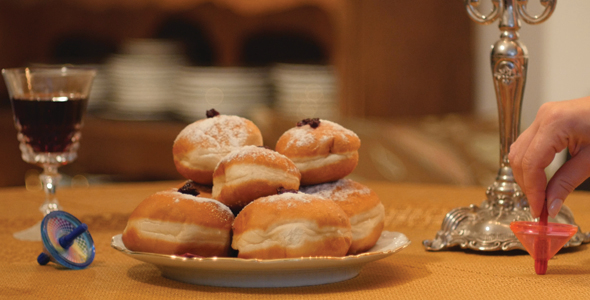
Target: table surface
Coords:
[(413, 273)]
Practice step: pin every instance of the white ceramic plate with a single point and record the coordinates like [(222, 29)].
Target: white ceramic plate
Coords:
[(237, 272)]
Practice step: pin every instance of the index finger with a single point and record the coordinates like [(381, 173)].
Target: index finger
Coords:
[(537, 157)]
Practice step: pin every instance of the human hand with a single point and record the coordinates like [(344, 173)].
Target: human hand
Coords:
[(558, 125)]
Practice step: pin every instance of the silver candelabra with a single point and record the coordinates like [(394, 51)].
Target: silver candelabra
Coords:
[(487, 227)]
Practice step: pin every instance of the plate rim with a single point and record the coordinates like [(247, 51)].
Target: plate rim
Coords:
[(368, 254), (265, 273)]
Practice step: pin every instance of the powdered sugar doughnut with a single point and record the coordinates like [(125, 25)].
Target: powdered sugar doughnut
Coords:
[(322, 150), (361, 204), (291, 225), (201, 145), (170, 222), (252, 172)]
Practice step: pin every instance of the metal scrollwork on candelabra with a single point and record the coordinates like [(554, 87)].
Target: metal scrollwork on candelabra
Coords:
[(487, 227)]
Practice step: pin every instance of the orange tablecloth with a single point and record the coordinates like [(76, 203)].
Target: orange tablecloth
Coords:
[(413, 273)]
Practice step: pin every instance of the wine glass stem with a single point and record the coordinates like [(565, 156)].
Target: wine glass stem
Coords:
[(50, 179)]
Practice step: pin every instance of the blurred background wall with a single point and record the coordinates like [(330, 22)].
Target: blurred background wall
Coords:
[(412, 78)]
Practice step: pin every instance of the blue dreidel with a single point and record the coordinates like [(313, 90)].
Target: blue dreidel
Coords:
[(66, 241)]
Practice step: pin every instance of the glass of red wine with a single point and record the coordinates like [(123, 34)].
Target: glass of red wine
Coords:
[(48, 105)]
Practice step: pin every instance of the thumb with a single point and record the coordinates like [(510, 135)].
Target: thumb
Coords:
[(566, 179)]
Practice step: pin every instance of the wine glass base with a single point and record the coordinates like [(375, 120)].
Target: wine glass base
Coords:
[(32, 234)]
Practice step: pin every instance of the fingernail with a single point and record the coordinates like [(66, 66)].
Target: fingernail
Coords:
[(554, 207)]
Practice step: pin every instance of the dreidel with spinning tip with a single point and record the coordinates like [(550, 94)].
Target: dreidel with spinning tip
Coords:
[(66, 241), (542, 240)]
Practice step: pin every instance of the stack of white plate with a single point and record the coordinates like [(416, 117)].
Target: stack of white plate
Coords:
[(229, 90), (142, 77), (305, 91)]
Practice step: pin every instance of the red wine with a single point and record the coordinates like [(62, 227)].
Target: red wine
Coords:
[(49, 124)]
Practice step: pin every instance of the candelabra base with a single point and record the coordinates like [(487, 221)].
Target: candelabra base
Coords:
[(487, 228)]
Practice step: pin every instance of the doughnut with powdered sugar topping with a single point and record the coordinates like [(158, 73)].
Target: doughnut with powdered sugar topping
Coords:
[(291, 225), (322, 150), (200, 146), (170, 222), (361, 204), (252, 172)]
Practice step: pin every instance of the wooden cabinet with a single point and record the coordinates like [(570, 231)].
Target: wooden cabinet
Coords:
[(403, 58), (394, 58)]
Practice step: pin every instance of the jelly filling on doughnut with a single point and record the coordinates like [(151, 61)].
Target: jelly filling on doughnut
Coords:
[(282, 190), (212, 113), (190, 255), (189, 188), (313, 123)]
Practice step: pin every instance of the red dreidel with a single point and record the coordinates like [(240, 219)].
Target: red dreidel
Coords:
[(542, 240)]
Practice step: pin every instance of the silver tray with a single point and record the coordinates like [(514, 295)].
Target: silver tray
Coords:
[(238, 272)]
